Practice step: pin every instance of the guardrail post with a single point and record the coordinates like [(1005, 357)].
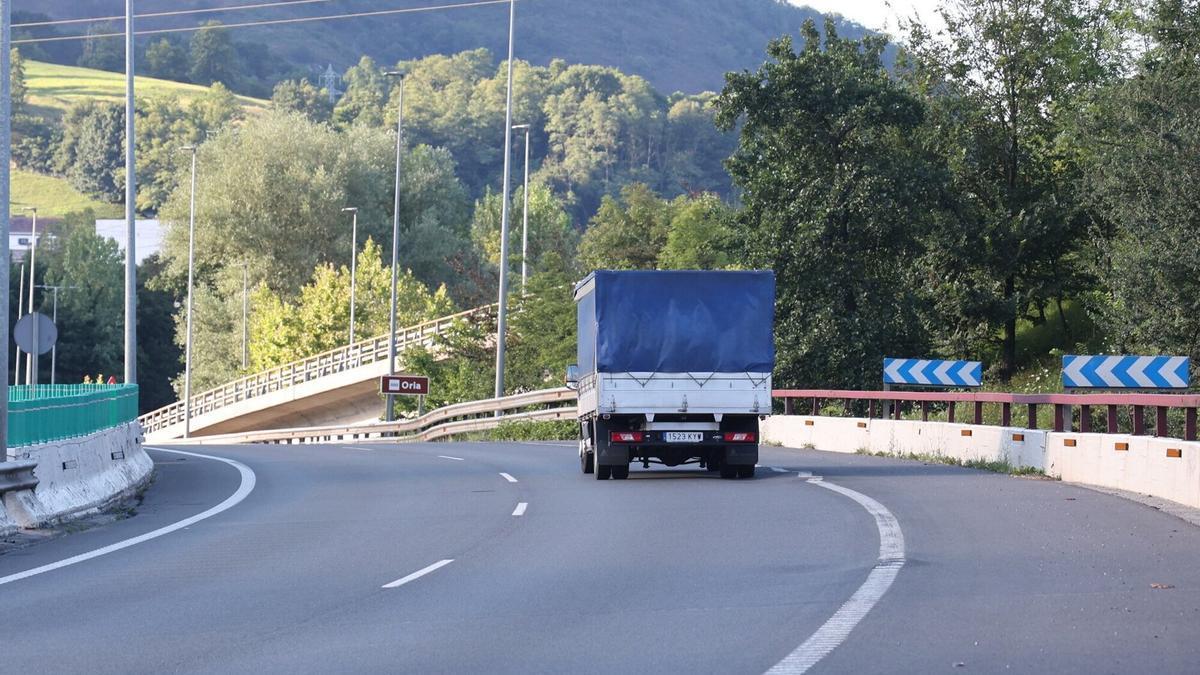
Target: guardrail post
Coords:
[(924, 411), (978, 412), (950, 412), (1189, 424), (871, 409), (788, 407), (896, 410), (1160, 422), (816, 409), (1139, 420), (1111, 418), (1085, 418), (1059, 414), (1006, 414), (1031, 421)]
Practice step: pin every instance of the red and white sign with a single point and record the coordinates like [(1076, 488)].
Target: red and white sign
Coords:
[(413, 385)]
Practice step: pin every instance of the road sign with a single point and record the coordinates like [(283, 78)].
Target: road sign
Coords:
[(413, 385), (1125, 372), (47, 333), (929, 373)]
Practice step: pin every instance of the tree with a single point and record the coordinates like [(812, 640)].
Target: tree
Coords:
[(626, 233), (700, 237), (835, 198), (167, 59), (1000, 81), (17, 80), (550, 230), (103, 53), (1140, 138), (366, 90), (542, 343), (212, 55), (302, 97), (159, 358), (163, 128), (91, 154), (215, 109)]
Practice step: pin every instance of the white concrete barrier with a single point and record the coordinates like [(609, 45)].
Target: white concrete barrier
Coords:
[(77, 476), (1160, 467)]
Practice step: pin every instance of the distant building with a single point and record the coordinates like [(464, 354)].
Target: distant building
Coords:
[(149, 236), (20, 235)]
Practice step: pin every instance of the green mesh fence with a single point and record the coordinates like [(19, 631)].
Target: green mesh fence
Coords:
[(51, 412)]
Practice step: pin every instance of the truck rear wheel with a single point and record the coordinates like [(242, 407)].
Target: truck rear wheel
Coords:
[(587, 462), (603, 471), (728, 472), (746, 471), (620, 472)]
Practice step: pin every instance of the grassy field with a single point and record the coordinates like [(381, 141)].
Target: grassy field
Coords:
[(54, 197), (52, 87)]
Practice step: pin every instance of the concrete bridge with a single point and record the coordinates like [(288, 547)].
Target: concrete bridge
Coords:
[(340, 386)]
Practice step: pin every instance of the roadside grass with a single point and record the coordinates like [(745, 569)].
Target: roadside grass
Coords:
[(994, 466), (52, 88), (55, 197)]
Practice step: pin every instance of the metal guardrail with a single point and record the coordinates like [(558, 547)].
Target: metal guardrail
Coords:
[(444, 422), (306, 370), (1065, 417), (15, 476)]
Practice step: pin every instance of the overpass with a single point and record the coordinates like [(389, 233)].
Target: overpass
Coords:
[(340, 386)]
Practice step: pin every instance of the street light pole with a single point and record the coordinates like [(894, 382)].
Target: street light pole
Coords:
[(20, 313), (502, 318), (5, 179), (130, 209), (187, 342), (389, 413), (245, 316), (353, 264), (525, 214), (31, 363)]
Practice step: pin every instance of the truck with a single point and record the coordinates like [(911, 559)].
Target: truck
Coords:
[(674, 368)]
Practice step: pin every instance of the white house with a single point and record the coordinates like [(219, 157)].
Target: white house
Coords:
[(149, 235)]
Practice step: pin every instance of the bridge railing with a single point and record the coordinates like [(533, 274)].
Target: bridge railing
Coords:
[(1072, 412), (460, 418), (324, 364), (52, 412)]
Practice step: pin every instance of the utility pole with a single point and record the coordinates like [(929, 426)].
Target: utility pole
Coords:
[(5, 178), (20, 313), (245, 316), (502, 317), (130, 209), (31, 363), (353, 264), (525, 214), (187, 343), (389, 413)]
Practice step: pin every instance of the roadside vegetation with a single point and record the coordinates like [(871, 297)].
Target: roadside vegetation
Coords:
[(994, 466)]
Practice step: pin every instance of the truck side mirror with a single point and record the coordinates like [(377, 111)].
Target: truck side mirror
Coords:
[(572, 377)]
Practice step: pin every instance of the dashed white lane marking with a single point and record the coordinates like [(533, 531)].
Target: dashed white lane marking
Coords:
[(520, 510), (247, 484), (419, 573), (804, 474), (355, 447), (457, 459), (779, 469), (508, 477), (834, 631)]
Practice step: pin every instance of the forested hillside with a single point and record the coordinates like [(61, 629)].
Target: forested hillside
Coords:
[(678, 45)]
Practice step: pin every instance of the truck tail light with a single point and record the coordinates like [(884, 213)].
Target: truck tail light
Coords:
[(740, 437), (627, 436)]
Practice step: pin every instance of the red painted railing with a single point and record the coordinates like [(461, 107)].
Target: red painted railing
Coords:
[(1064, 404)]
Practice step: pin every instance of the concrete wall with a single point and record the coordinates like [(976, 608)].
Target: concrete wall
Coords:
[(1169, 469), (78, 476)]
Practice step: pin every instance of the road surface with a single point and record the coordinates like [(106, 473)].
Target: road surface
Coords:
[(503, 557)]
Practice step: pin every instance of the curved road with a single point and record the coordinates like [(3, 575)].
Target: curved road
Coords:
[(319, 569)]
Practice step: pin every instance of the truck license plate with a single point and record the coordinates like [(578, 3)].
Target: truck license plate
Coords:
[(683, 436)]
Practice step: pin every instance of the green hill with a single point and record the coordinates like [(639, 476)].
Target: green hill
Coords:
[(678, 45), (54, 197), (52, 88)]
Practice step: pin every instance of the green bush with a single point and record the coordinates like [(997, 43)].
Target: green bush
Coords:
[(526, 430)]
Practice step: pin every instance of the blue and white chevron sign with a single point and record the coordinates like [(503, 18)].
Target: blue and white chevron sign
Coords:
[(1125, 372), (933, 373)]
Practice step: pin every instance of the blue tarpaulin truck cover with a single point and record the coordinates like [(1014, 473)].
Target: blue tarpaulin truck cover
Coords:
[(676, 322)]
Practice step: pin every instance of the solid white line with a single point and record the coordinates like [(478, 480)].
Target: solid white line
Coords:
[(419, 573), (834, 631), (520, 510), (457, 459), (248, 480), (508, 477)]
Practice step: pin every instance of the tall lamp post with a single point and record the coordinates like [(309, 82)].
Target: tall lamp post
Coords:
[(187, 342), (525, 214), (502, 312), (389, 413), (245, 316), (353, 264), (31, 363), (130, 213), (5, 177)]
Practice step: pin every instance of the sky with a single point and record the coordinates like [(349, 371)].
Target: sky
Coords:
[(877, 14)]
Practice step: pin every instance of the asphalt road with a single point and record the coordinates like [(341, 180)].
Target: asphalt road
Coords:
[(669, 571)]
